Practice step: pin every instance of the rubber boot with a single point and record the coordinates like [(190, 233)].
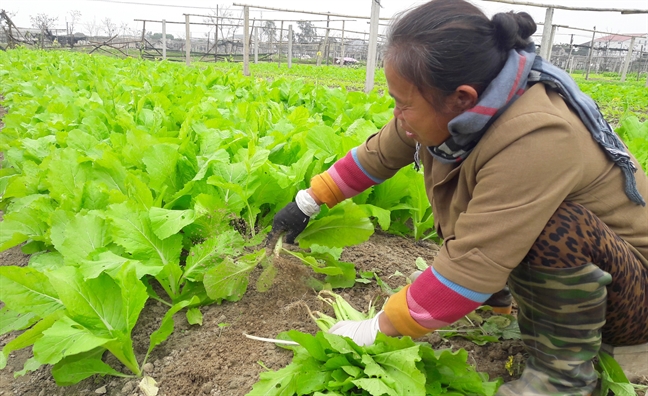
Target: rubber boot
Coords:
[(561, 316), (501, 302)]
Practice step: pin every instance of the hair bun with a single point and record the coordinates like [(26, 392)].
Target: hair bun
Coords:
[(513, 30)]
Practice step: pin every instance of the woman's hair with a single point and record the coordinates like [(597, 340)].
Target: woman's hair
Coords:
[(443, 44)]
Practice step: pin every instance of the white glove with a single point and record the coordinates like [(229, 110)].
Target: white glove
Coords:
[(362, 332)]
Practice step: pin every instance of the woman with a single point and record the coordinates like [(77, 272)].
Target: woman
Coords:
[(527, 182)]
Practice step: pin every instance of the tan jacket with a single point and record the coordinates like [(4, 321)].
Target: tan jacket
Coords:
[(491, 208)]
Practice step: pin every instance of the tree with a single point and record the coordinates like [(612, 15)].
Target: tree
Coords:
[(307, 32), (224, 16), (109, 27), (269, 30), (92, 27), (43, 22), (73, 18), (158, 36)]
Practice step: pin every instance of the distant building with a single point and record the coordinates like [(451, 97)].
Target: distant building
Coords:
[(616, 44)]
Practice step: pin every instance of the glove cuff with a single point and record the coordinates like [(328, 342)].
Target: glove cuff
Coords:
[(306, 203), (375, 323)]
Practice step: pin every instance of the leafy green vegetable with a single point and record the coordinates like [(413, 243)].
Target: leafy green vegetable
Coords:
[(331, 364)]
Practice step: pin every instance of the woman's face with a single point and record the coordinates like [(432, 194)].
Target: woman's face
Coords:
[(420, 120)]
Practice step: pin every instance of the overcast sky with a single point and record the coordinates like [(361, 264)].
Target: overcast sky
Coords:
[(125, 11)]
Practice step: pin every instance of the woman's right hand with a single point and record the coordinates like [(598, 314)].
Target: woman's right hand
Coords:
[(291, 220)]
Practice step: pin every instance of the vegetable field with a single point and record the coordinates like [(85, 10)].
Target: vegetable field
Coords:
[(136, 197)]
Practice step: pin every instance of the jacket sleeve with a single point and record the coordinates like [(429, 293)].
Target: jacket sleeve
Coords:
[(371, 163)]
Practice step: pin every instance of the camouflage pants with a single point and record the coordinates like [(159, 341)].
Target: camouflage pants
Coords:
[(574, 237)]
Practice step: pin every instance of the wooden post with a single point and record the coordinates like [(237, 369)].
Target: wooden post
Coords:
[(627, 60), (545, 44), (589, 55), (279, 45), (319, 54), (142, 46), (342, 50), (256, 45), (164, 39), (10, 43), (326, 36), (373, 46), (553, 34), (569, 57), (639, 61), (246, 41), (290, 43), (187, 41), (269, 43)]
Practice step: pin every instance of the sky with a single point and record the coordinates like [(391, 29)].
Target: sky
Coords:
[(125, 11)]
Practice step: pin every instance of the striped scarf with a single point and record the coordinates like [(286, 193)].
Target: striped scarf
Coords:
[(521, 68)]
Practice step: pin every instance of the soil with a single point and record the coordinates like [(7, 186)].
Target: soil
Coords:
[(217, 359)]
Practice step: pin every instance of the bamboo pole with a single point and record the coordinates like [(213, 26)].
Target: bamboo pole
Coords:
[(559, 7), (373, 43), (305, 12), (626, 63)]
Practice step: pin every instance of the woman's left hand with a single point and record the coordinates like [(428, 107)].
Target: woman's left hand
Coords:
[(364, 332)]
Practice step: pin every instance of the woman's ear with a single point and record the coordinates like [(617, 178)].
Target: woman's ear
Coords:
[(464, 97)]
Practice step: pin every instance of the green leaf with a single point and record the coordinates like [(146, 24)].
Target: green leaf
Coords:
[(194, 316), (12, 320), (161, 164), (26, 290), (613, 377), (19, 226), (66, 178), (65, 338), (206, 255), (169, 222), (375, 386), (111, 263), (346, 225), (83, 235), (30, 365), (74, 369), (229, 279), (382, 215), (303, 378), (132, 229), (28, 337), (421, 265)]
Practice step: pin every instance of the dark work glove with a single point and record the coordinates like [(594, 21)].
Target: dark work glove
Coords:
[(289, 219)]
